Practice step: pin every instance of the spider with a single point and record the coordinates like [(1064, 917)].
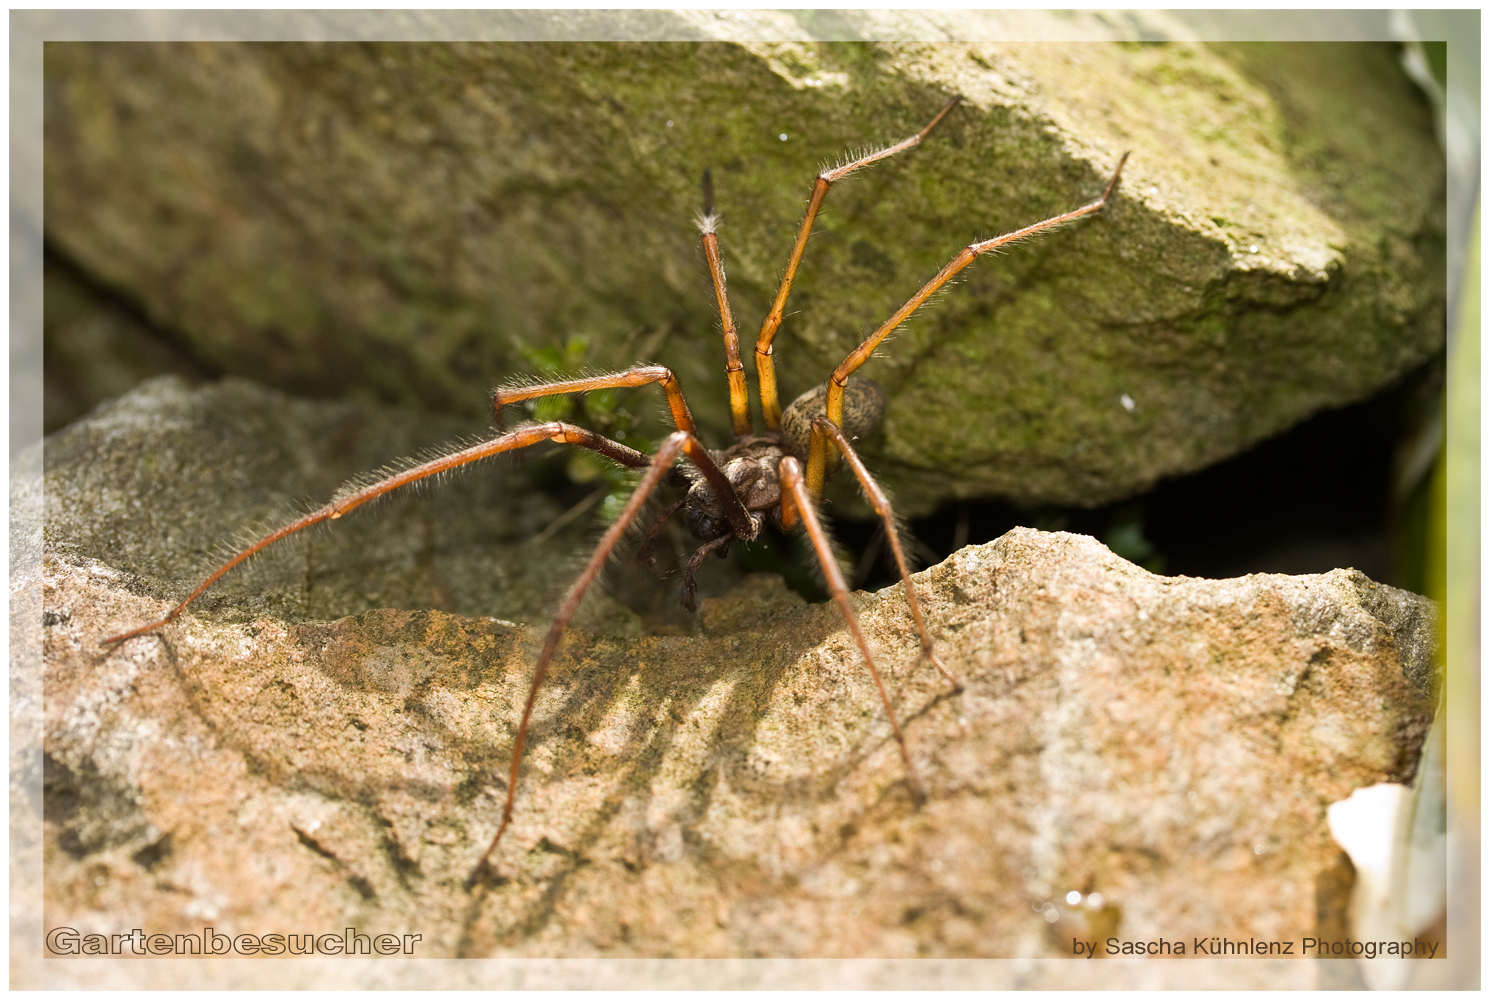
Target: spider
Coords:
[(731, 494)]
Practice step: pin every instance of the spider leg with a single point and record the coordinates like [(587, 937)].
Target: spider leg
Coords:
[(644, 555), (791, 482), (734, 369), (881, 504), (765, 365), (690, 585), (628, 379), (678, 444), (817, 452), (350, 498)]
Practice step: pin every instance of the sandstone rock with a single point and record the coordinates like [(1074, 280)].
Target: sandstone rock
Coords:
[(399, 221), (1165, 747)]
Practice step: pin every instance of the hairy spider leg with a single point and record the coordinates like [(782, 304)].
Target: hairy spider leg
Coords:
[(690, 582), (523, 437), (765, 365), (628, 379), (739, 399), (678, 444), (734, 368), (646, 555), (791, 482), (817, 451), (881, 504)]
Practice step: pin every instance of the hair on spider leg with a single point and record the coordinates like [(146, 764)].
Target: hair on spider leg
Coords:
[(269, 568), (430, 453), (873, 559)]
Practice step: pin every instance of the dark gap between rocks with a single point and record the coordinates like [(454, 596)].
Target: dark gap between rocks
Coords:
[(1321, 496)]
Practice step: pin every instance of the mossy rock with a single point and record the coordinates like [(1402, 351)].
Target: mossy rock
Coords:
[(406, 222)]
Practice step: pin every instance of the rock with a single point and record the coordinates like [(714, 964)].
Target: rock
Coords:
[(400, 222), (96, 350), (1164, 747), (159, 484)]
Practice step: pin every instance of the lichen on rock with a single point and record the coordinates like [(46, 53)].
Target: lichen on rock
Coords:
[(399, 222)]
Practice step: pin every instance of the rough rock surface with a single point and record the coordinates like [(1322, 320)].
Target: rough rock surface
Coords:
[(158, 485), (1168, 743), (398, 221)]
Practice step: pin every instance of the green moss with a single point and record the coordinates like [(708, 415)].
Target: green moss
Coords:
[(402, 222)]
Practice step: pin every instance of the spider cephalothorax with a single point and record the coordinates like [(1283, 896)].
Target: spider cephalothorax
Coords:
[(752, 467), (777, 474)]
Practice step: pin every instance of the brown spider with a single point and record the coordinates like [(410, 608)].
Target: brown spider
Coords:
[(730, 493)]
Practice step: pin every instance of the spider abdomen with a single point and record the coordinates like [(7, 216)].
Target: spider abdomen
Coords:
[(863, 409)]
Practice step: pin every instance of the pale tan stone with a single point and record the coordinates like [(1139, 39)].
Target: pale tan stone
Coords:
[(1170, 743)]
